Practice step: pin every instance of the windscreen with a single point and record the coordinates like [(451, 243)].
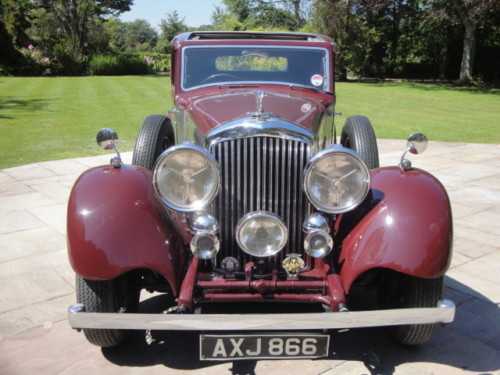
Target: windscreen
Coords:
[(204, 66)]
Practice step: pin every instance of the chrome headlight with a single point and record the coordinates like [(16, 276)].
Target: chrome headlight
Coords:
[(336, 180), (261, 234), (186, 177)]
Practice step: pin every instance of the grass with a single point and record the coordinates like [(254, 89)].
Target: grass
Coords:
[(55, 118), (442, 112)]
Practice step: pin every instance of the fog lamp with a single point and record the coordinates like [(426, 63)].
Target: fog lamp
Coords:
[(261, 234), (205, 246), (318, 244)]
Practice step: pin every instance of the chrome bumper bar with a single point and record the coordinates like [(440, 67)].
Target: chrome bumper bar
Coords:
[(443, 313)]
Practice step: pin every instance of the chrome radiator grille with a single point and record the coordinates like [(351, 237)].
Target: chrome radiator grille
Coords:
[(260, 174)]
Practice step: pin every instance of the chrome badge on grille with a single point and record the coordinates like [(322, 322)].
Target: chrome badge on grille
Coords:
[(230, 265), (293, 264)]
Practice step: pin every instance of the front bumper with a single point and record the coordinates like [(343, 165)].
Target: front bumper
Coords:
[(443, 313)]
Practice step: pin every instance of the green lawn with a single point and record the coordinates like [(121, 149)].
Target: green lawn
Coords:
[(54, 118), (442, 112)]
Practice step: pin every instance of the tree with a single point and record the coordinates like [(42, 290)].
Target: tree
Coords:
[(170, 26), (261, 14), (9, 56), (355, 39), (472, 13), (72, 30), (221, 20), (15, 15), (139, 35)]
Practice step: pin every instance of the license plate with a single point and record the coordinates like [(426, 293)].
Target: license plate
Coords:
[(233, 347)]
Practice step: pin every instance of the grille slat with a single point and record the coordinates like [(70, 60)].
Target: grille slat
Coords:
[(260, 173)]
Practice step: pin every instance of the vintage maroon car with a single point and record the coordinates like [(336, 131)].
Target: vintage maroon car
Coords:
[(255, 221)]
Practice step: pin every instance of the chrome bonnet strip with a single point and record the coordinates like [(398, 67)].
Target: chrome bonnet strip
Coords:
[(444, 313), (250, 127)]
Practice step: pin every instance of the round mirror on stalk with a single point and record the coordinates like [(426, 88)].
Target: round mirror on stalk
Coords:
[(107, 139), (417, 143)]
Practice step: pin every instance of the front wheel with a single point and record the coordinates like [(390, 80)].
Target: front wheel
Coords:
[(358, 135), (117, 295), (404, 291), (155, 136)]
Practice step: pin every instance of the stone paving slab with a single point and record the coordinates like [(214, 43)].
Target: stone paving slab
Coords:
[(37, 285)]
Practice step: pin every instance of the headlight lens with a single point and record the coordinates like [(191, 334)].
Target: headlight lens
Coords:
[(186, 178), (336, 180), (261, 234)]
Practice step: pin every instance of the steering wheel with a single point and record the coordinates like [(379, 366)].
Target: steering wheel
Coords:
[(220, 76)]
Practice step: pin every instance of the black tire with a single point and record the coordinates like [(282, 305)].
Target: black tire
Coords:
[(107, 296), (358, 135), (404, 291), (155, 136)]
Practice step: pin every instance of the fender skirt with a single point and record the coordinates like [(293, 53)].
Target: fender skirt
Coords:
[(116, 224), (405, 224)]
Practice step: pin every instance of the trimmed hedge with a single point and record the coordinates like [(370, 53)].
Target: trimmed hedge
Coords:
[(129, 64)]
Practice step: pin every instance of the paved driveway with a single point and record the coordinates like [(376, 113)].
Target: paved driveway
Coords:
[(37, 284)]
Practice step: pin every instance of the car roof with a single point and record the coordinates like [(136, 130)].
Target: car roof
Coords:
[(225, 37)]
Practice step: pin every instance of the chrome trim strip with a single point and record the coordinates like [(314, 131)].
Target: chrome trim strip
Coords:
[(444, 313), (248, 127)]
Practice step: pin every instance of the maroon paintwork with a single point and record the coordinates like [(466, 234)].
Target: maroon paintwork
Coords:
[(116, 224), (409, 229), (211, 107)]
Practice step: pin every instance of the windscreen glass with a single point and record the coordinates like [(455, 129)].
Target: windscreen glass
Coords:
[(235, 65)]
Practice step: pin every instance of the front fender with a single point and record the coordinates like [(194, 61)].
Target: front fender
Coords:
[(406, 226), (116, 224)]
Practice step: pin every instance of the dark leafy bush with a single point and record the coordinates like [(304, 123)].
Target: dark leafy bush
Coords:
[(160, 62), (104, 65)]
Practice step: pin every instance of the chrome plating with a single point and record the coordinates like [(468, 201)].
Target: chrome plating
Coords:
[(320, 252), (204, 223), (205, 253), (252, 215), (416, 144), (192, 147), (248, 127), (336, 149), (316, 223), (107, 139)]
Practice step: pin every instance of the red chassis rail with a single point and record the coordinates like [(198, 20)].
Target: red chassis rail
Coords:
[(327, 289)]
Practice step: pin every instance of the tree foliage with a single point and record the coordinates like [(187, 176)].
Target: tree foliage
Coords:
[(261, 14), (170, 26), (68, 32), (409, 37), (447, 39)]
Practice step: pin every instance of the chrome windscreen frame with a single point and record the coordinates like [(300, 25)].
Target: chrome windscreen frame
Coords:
[(326, 64)]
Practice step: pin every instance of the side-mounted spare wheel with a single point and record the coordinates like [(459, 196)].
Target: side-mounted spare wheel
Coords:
[(404, 291), (358, 135), (155, 136), (117, 295)]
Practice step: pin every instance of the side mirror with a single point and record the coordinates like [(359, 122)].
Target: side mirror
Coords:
[(416, 144), (107, 139)]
